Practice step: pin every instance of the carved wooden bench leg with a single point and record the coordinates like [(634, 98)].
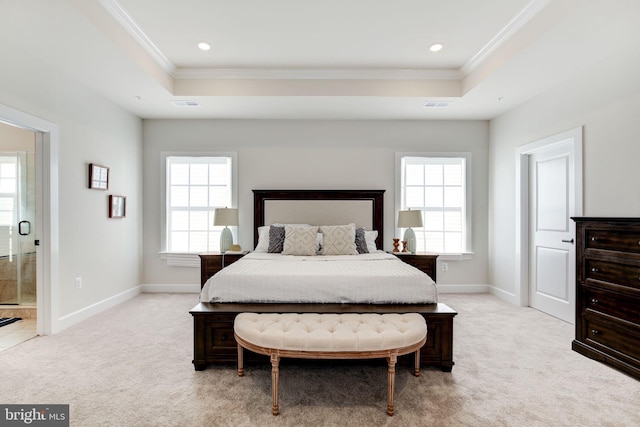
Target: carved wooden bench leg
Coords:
[(240, 361), (393, 358), (275, 370), (416, 370)]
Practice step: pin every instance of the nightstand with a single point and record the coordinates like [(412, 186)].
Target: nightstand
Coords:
[(211, 263), (423, 261)]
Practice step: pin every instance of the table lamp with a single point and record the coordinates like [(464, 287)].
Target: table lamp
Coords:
[(408, 219), (226, 217)]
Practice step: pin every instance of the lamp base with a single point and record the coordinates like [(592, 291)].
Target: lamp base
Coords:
[(410, 238), (226, 239)]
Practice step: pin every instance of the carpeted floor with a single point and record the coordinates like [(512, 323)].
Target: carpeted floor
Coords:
[(131, 366)]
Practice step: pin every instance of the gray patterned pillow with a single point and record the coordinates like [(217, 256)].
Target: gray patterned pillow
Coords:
[(339, 239), (299, 240), (361, 242), (276, 239)]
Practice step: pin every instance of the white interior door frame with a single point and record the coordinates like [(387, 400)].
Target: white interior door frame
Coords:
[(46, 229), (522, 201)]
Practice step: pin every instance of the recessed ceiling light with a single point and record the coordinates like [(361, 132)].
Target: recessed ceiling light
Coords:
[(436, 47), (204, 46)]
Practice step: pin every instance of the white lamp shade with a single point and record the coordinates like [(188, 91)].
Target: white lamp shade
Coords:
[(409, 218), (225, 216)]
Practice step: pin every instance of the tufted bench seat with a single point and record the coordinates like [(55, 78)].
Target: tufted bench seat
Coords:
[(330, 336)]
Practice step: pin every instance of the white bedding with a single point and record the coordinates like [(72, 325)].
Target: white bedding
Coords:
[(375, 278)]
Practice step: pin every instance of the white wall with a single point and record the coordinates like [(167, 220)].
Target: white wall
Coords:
[(312, 155), (605, 99), (106, 253)]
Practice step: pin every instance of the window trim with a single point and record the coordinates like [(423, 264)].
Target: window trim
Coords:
[(466, 254), (189, 259)]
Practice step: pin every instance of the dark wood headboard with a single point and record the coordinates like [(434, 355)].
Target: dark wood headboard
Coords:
[(375, 196)]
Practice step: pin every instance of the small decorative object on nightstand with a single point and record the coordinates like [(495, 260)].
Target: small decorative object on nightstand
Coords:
[(396, 243), (408, 219), (226, 217)]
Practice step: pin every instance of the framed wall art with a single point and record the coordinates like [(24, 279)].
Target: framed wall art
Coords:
[(98, 177), (117, 206)]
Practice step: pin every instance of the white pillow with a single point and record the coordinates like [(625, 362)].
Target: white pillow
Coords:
[(299, 240), (339, 239), (370, 237), (263, 239)]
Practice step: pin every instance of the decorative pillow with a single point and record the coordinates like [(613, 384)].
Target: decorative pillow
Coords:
[(263, 236), (361, 243), (276, 239), (370, 237), (263, 239), (339, 239), (299, 240)]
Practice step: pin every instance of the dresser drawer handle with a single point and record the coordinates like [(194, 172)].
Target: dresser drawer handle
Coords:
[(594, 239), (594, 301), (223, 337), (595, 332), (594, 270)]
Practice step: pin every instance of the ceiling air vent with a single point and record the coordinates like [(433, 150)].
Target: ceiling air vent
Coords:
[(437, 104), (180, 103)]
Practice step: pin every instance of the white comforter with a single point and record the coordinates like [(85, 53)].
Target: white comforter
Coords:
[(375, 278)]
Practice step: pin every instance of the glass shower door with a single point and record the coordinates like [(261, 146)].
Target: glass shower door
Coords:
[(17, 215)]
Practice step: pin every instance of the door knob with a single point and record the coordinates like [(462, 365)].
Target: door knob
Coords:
[(567, 241)]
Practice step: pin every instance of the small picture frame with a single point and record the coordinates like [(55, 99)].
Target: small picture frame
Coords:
[(98, 177), (117, 206)]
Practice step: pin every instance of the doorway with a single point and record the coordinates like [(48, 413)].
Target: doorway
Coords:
[(18, 258), (46, 227), (549, 192), (17, 217)]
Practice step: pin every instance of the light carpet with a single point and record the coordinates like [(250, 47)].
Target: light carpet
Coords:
[(131, 366)]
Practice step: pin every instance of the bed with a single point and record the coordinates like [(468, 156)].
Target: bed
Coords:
[(213, 316)]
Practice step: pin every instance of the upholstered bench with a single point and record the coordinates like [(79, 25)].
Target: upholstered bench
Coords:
[(330, 336)]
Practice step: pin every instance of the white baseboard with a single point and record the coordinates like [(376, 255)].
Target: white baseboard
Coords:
[(504, 295), (83, 314), (176, 289), (463, 289)]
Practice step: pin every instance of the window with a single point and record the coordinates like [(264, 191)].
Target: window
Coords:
[(8, 194), (195, 186), (437, 186)]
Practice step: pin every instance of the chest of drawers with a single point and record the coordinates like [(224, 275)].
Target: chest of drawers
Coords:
[(608, 291)]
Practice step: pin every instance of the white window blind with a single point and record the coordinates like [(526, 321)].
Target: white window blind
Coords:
[(196, 185), (437, 187)]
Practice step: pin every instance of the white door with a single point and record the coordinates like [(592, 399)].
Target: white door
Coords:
[(551, 230)]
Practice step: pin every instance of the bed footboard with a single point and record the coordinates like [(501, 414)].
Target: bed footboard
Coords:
[(214, 343)]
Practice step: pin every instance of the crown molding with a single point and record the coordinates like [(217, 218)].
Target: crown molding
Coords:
[(519, 21), (125, 20), (120, 14)]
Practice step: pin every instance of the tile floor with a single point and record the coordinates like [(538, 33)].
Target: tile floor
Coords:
[(17, 332)]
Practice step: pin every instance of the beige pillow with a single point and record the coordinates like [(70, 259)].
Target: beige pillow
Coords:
[(339, 239), (299, 240)]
